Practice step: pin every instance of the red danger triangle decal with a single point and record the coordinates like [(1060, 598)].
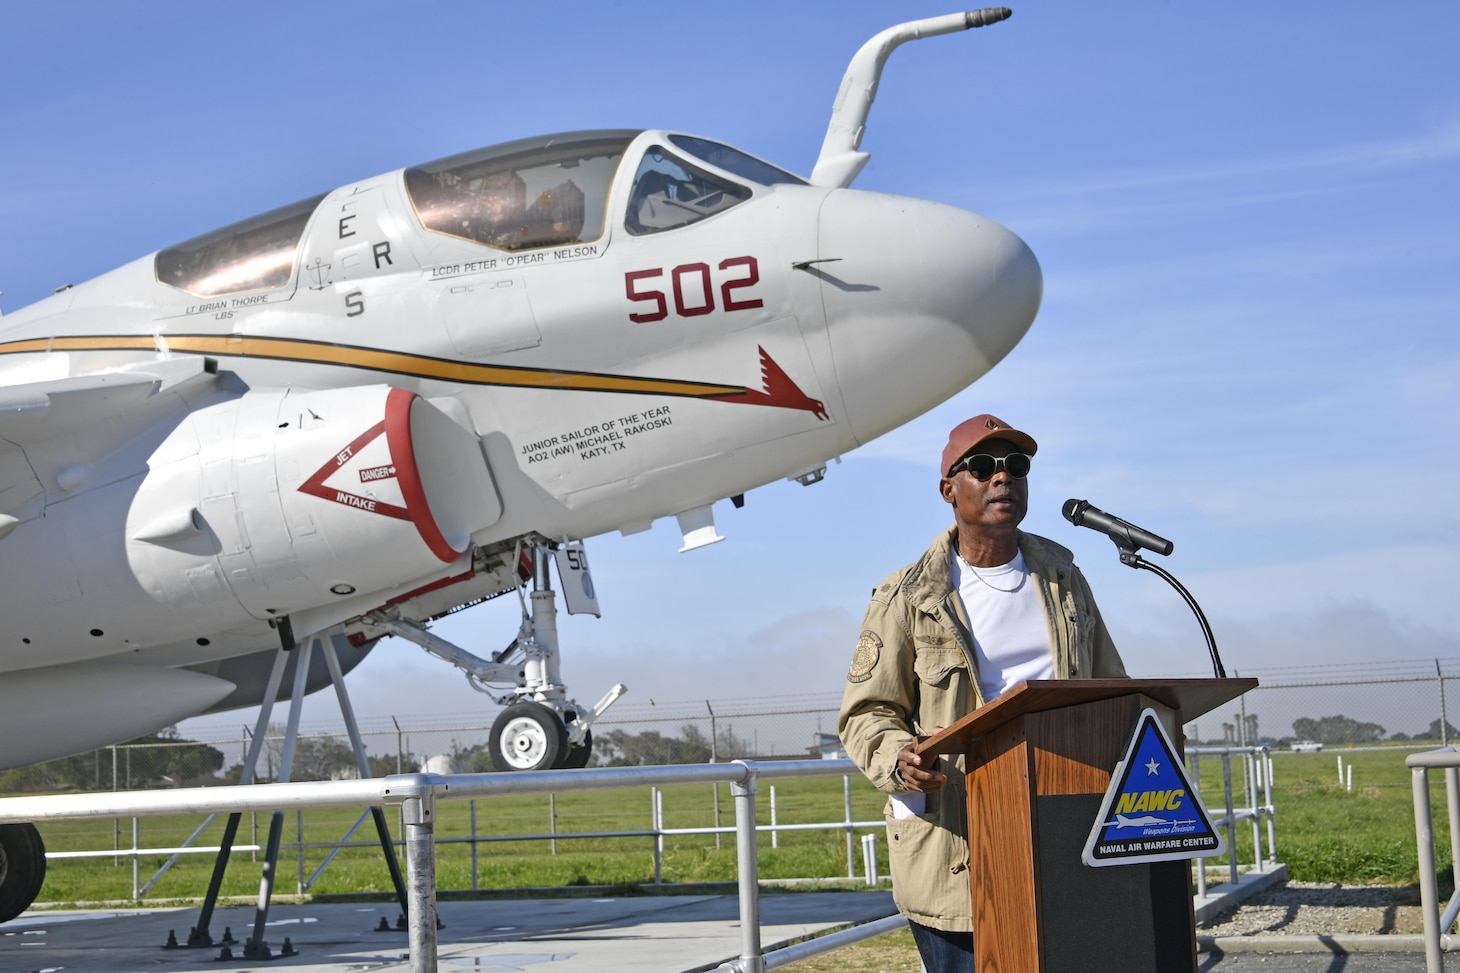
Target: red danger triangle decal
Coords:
[(339, 492)]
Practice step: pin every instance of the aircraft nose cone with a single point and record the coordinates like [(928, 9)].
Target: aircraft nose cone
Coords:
[(923, 300)]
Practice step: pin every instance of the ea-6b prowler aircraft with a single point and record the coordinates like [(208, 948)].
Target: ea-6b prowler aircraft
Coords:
[(354, 414)]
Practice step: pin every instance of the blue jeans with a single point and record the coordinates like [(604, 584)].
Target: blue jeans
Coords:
[(943, 952)]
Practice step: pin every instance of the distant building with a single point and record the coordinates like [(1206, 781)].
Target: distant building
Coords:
[(442, 763), (828, 746)]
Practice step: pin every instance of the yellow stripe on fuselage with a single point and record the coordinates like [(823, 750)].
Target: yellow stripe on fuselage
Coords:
[(375, 359)]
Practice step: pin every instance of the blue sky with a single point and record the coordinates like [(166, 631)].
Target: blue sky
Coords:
[(1248, 218)]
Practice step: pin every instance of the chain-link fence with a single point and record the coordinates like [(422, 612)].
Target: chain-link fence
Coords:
[(1340, 706), (1337, 706), (630, 734)]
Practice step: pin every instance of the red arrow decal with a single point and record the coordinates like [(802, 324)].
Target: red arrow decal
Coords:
[(780, 391)]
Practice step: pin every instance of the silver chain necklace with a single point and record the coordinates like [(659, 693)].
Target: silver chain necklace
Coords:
[(1023, 576)]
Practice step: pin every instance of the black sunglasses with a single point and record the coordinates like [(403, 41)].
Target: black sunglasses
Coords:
[(982, 466)]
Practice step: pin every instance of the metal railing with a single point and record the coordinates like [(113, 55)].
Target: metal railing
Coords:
[(1256, 776), (1438, 940), (416, 796), (655, 833)]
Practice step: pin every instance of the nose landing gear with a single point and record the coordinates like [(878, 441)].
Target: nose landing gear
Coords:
[(540, 727)]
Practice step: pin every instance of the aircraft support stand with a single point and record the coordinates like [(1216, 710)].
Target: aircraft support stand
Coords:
[(362, 763), (201, 935), (255, 948)]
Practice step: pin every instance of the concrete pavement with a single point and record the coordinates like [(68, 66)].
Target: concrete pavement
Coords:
[(673, 934), (603, 935)]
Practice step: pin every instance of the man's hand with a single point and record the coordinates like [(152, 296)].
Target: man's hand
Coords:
[(910, 769)]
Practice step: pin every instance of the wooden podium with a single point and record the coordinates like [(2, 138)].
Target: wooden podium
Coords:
[(1038, 762)]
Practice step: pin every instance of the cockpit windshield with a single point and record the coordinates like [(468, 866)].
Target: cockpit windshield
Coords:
[(530, 193), (249, 255), (669, 193), (734, 161)]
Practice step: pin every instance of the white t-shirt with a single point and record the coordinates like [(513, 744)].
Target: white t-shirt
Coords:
[(1006, 615)]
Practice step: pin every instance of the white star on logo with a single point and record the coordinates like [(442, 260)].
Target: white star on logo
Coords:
[(1152, 767)]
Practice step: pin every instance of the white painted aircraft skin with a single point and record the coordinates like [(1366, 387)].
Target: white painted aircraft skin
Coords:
[(178, 469)]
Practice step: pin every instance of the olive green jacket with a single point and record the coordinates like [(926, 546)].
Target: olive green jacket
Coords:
[(914, 670)]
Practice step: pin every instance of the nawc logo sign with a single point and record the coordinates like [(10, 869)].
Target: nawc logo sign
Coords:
[(1151, 812)]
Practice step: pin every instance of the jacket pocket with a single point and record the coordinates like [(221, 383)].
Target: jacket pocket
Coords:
[(929, 866), (934, 664), (945, 689)]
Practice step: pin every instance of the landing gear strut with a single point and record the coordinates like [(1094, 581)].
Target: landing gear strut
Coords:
[(540, 727), (22, 868)]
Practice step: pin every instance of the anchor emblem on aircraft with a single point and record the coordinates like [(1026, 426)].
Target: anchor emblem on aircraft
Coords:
[(319, 270)]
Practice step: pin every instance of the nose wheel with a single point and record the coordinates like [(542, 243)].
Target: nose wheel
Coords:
[(528, 736)]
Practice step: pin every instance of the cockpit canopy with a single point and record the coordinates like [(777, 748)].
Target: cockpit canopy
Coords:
[(670, 192), (540, 192), (518, 195), (553, 191), (251, 254)]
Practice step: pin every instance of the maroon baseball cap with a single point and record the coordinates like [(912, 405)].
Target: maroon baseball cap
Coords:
[(971, 432)]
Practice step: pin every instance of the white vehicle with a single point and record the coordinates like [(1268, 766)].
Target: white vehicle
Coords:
[(346, 417), (1306, 746)]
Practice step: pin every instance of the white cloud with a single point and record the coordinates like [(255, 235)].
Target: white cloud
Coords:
[(1440, 145), (1410, 586)]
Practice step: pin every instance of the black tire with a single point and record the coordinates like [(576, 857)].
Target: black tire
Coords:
[(577, 757), (528, 736), (22, 868)]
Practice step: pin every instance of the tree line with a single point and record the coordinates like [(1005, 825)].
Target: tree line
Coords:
[(166, 759), (1339, 729), (161, 759)]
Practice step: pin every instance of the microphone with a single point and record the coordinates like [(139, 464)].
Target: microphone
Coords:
[(1128, 539), (1127, 536)]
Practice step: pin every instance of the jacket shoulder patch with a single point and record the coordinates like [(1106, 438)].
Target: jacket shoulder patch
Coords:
[(864, 660)]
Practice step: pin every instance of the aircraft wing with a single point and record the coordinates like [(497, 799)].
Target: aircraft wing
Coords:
[(82, 417), (34, 411)]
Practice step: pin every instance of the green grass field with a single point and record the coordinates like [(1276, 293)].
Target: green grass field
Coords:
[(1324, 833)]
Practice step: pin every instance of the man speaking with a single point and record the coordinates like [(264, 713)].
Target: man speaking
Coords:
[(986, 607)]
